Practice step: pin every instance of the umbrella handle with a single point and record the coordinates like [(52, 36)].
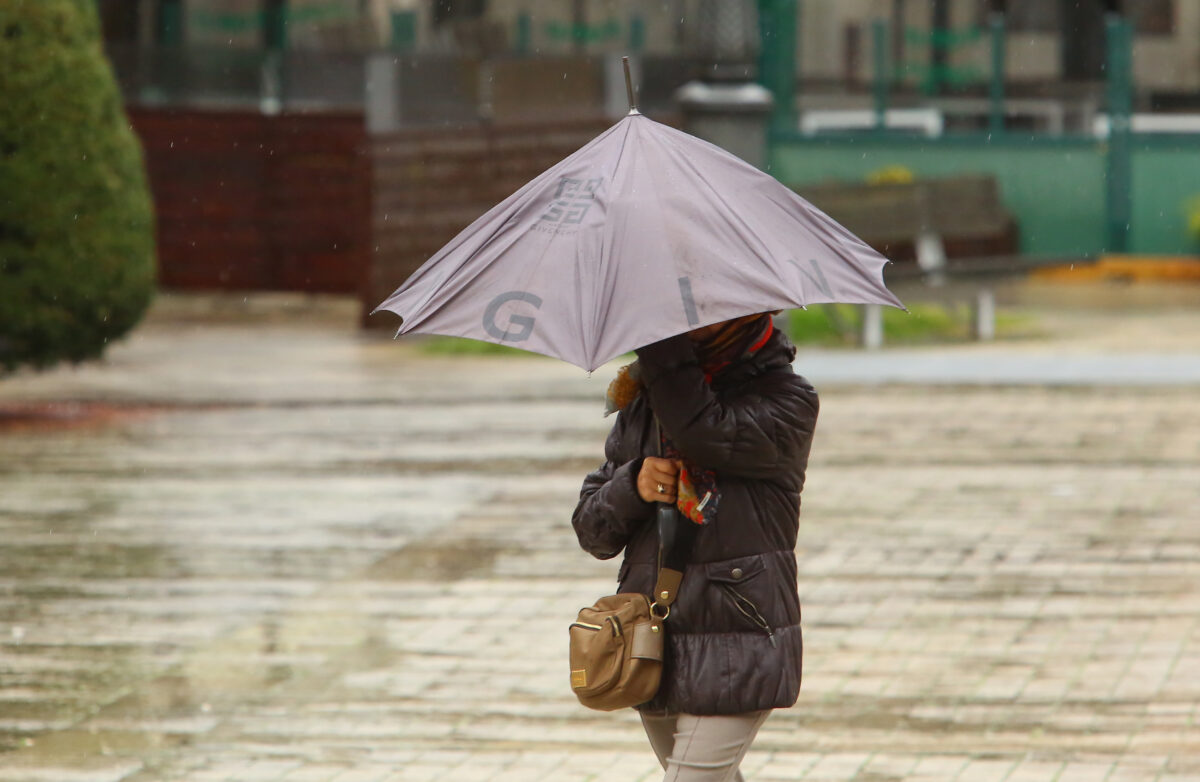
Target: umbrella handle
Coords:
[(668, 523)]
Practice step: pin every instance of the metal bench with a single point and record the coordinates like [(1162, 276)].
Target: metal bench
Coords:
[(971, 278)]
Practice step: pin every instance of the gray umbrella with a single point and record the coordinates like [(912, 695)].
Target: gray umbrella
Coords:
[(644, 233)]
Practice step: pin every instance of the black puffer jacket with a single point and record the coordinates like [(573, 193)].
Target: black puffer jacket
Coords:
[(734, 632)]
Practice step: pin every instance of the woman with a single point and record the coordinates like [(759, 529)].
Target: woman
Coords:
[(716, 422)]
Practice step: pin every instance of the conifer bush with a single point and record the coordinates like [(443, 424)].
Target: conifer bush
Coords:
[(76, 221)]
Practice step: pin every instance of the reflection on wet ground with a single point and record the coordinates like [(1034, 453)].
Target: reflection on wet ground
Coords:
[(998, 583)]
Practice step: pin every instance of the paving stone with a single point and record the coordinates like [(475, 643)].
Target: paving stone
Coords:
[(317, 572)]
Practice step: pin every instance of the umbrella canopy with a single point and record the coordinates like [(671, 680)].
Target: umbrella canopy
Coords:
[(644, 233)]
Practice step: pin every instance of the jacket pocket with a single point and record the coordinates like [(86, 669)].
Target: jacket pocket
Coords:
[(734, 571), (734, 578)]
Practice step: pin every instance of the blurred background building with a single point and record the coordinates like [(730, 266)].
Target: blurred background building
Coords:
[(939, 44), (332, 145)]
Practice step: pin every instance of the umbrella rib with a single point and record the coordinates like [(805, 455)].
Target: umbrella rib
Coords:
[(819, 228), (731, 215), (607, 269), (827, 230)]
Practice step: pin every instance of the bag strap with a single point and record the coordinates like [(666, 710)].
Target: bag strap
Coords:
[(675, 540)]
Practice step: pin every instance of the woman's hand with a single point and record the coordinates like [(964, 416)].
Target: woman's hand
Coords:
[(657, 480)]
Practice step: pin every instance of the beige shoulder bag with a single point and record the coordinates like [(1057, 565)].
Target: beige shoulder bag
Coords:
[(617, 644)]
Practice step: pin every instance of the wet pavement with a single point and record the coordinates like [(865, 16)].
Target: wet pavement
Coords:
[(264, 546)]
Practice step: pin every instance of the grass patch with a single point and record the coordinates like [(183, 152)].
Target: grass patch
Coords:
[(461, 346), (923, 324)]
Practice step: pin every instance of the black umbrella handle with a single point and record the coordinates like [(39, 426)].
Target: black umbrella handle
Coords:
[(668, 525)]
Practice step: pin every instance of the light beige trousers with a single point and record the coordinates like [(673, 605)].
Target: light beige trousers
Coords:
[(702, 749)]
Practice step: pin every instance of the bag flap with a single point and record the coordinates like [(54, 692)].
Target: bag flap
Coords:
[(647, 644)]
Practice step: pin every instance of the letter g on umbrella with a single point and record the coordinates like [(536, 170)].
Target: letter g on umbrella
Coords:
[(524, 323)]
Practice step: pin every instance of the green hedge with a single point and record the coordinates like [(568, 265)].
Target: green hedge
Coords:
[(76, 221)]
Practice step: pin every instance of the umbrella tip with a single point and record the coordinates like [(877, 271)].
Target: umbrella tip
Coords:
[(629, 86)]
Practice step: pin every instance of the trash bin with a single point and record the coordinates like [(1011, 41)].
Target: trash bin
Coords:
[(733, 116)]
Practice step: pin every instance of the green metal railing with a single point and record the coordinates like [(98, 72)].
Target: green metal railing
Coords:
[(631, 31), (778, 55), (271, 20), (996, 83), (1119, 165), (882, 80), (932, 75), (272, 16)]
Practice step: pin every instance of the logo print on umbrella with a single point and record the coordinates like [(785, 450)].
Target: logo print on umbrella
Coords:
[(571, 201)]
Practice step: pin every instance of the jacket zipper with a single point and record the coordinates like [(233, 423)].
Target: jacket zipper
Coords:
[(747, 608)]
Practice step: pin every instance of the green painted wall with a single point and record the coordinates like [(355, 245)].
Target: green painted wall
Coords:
[(1055, 190), (1166, 175), (1054, 186)]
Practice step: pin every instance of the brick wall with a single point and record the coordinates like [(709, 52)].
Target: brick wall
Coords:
[(252, 202)]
